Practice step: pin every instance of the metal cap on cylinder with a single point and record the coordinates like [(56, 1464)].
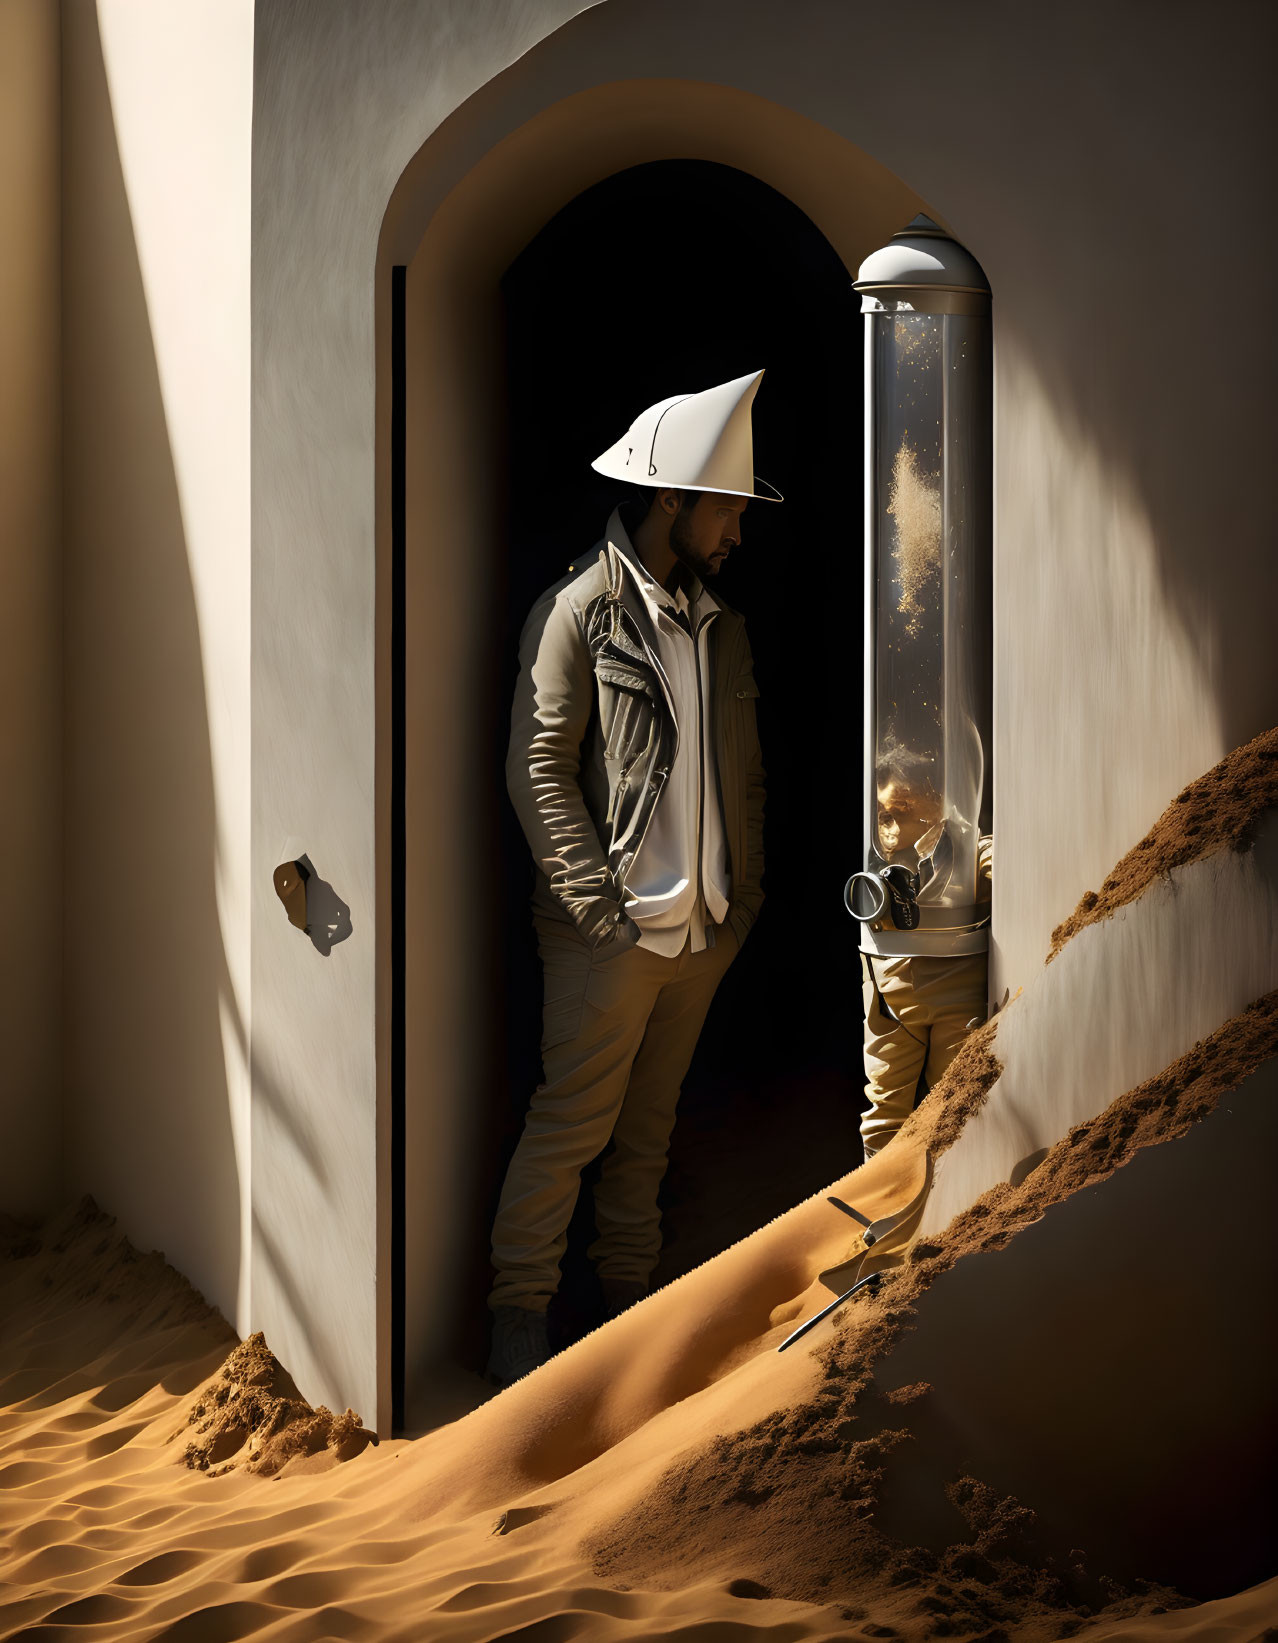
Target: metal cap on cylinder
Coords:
[(923, 270)]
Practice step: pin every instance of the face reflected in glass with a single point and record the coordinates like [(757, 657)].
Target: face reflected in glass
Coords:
[(907, 813)]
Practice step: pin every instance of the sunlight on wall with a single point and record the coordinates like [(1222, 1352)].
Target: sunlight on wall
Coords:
[(181, 88), (1104, 705)]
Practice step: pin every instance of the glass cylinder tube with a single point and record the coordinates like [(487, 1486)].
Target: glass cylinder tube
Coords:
[(928, 589)]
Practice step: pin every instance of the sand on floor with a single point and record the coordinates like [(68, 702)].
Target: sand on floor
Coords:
[(673, 1475)]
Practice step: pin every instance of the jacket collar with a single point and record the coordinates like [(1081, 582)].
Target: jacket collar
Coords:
[(698, 598)]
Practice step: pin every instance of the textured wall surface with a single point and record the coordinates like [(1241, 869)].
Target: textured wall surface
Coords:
[(1095, 160), (344, 95), (157, 102), (30, 611)]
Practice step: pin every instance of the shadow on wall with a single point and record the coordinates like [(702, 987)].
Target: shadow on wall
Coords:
[(150, 1011), (1112, 1366), (312, 904)]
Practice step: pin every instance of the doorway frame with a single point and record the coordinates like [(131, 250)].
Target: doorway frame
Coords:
[(470, 200)]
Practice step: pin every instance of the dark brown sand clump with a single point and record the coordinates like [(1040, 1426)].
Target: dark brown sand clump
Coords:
[(790, 1504), (1218, 811), (253, 1402)]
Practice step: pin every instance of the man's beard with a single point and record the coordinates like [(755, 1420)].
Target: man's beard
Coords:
[(685, 551)]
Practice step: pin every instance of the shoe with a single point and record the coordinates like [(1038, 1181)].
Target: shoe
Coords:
[(620, 1294), (520, 1344)]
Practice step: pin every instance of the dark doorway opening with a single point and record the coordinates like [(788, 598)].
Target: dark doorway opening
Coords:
[(668, 278)]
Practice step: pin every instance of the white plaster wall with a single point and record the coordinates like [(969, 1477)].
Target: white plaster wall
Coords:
[(344, 95), (158, 105), (1096, 159), (30, 605)]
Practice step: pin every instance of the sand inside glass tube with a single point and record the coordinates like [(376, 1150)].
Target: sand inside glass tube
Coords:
[(914, 502)]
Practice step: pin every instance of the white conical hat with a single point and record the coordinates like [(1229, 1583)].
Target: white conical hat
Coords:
[(692, 442)]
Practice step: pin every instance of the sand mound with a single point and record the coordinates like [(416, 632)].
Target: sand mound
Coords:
[(794, 1499), (1218, 811), (670, 1476), (472, 1534), (99, 1298), (252, 1415)]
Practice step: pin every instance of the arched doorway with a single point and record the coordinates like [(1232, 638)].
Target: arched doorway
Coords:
[(468, 330)]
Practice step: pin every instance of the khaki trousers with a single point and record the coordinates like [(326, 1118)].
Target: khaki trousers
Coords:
[(617, 1038), (936, 1000)]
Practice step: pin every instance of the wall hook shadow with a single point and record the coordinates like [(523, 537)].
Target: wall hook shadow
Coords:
[(312, 904)]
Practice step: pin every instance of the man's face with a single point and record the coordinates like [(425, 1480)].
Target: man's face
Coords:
[(905, 815), (703, 536)]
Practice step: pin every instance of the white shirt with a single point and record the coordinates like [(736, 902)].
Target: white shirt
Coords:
[(681, 871)]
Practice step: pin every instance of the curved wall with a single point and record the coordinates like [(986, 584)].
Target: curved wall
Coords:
[(1094, 160), (30, 604)]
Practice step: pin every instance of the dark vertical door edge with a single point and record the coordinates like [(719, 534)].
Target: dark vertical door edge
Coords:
[(397, 844)]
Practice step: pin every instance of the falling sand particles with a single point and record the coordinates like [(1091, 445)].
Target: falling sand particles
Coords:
[(915, 505)]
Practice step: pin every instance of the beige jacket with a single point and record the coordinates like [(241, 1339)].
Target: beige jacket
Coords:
[(592, 736)]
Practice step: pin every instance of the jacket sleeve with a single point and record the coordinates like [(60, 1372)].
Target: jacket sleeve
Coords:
[(554, 696), (747, 896)]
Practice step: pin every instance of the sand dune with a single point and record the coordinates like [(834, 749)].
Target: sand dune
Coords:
[(1049, 1406), (478, 1531)]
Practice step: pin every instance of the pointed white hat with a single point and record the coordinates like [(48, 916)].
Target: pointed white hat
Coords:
[(693, 442)]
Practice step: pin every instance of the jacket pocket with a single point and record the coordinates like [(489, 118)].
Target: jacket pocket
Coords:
[(630, 716), (609, 671)]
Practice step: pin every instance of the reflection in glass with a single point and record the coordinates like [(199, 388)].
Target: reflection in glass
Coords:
[(930, 418)]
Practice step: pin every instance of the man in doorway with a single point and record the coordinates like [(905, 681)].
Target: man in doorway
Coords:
[(635, 769)]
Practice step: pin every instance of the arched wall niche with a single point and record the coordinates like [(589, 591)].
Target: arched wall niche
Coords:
[(454, 224)]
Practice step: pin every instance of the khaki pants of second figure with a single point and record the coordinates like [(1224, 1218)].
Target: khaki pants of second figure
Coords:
[(618, 1036), (935, 999)]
